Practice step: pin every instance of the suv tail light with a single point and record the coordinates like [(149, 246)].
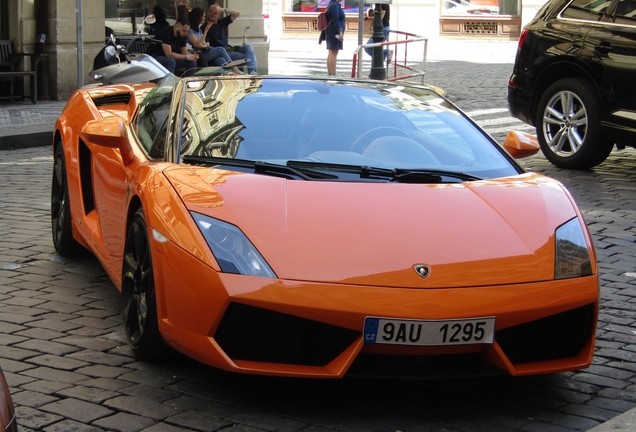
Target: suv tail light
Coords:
[(522, 37)]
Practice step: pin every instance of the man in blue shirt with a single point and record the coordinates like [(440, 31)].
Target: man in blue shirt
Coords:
[(217, 35)]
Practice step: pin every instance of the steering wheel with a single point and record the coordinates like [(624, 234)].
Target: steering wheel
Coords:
[(363, 141)]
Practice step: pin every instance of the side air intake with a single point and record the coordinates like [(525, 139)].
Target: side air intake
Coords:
[(112, 99)]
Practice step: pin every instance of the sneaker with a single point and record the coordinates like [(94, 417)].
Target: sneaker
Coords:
[(389, 57)]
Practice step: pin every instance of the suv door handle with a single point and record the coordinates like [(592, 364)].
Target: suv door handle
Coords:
[(603, 48)]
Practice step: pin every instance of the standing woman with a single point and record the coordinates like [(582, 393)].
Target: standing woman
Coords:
[(334, 34)]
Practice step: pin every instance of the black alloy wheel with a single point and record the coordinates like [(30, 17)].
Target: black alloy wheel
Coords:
[(569, 125), (61, 229), (138, 293)]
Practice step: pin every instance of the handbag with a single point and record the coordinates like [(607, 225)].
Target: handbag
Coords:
[(322, 37)]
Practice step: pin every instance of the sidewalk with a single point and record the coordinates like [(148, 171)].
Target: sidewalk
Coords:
[(23, 124), (438, 49)]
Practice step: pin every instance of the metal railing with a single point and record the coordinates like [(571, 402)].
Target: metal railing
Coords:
[(400, 57)]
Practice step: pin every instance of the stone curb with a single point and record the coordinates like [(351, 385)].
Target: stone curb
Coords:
[(21, 137), (623, 422)]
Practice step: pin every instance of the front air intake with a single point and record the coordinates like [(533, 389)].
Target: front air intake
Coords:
[(260, 335), (421, 366), (555, 337)]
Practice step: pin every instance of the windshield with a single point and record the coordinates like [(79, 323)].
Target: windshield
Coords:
[(380, 125)]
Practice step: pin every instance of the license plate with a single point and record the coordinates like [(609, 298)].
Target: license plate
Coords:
[(415, 332)]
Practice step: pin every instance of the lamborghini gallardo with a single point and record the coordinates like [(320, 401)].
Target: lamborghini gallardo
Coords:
[(316, 227)]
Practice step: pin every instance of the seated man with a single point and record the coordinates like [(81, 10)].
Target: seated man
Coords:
[(217, 35), (173, 53)]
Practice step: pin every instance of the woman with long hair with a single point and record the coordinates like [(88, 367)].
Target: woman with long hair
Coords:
[(197, 38)]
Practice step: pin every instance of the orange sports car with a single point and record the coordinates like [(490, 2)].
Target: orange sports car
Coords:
[(320, 227)]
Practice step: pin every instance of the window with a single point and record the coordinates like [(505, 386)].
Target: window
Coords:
[(126, 17), (470, 8), (320, 5), (586, 10), (152, 121), (626, 12), (4, 20)]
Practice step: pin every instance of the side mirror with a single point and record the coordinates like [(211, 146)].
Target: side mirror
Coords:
[(109, 132), (520, 144), (150, 19)]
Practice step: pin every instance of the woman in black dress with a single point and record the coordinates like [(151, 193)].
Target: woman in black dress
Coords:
[(334, 34)]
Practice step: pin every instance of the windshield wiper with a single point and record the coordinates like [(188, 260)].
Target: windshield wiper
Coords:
[(308, 170), (260, 167), (400, 175), (414, 175)]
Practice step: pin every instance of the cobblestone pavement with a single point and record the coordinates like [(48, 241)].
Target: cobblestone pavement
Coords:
[(23, 113), (62, 344)]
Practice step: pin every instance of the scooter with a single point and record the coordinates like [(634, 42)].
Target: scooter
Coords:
[(114, 65)]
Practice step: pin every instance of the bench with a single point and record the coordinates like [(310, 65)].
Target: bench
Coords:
[(8, 60)]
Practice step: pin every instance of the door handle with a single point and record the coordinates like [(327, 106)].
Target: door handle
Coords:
[(603, 48)]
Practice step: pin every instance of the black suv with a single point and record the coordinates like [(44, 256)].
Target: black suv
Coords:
[(574, 79)]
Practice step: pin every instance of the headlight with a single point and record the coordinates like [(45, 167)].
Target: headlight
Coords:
[(572, 254), (232, 250)]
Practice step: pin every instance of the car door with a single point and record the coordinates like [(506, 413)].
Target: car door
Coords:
[(112, 179), (613, 42)]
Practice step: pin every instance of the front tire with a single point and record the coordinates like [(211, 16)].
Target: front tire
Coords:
[(138, 294), (61, 228), (568, 123)]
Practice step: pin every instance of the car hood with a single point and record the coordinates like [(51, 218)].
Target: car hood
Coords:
[(471, 234)]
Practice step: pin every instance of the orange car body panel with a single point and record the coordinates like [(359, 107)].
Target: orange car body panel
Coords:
[(341, 251), (321, 231)]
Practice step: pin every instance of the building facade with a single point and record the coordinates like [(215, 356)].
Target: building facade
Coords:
[(26, 23), (466, 19), (51, 26)]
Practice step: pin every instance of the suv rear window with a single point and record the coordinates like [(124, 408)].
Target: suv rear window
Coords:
[(585, 9), (626, 12)]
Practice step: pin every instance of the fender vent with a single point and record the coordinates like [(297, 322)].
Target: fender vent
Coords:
[(86, 177), (112, 99)]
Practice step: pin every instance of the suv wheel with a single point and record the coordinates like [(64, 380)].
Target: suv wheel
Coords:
[(568, 125)]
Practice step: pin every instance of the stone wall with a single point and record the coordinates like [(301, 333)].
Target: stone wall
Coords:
[(252, 17), (61, 68)]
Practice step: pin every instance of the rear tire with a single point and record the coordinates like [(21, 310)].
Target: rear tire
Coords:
[(568, 122), (138, 294), (61, 228)]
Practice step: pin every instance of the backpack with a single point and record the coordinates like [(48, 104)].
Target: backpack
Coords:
[(322, 22)]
